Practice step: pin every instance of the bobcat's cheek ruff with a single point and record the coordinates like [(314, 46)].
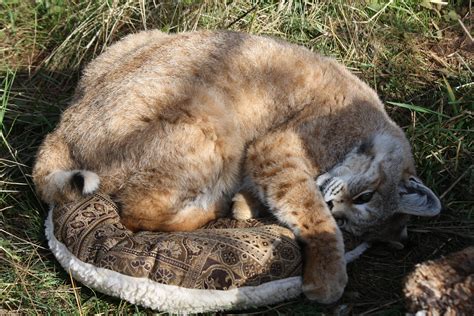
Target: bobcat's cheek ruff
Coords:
[(230, 264)]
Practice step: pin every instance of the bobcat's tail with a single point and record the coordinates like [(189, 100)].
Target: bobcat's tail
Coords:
[(57, 177)]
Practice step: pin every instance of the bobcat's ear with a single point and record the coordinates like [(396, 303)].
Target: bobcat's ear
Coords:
[(418, 199)]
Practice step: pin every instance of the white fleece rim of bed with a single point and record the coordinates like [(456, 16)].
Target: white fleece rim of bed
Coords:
[(172, 298)]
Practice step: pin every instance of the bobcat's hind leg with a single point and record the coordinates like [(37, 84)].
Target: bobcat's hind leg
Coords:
[(283, 175), (163, 208)]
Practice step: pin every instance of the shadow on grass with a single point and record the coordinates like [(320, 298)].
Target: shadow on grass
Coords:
[(32, 105)]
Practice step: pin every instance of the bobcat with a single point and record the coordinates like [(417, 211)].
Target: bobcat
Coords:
[(176, 126)]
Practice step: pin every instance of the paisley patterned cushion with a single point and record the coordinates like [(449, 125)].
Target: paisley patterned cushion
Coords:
[(223, 255)]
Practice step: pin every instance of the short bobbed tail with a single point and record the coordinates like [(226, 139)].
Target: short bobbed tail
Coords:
[(56, 176)]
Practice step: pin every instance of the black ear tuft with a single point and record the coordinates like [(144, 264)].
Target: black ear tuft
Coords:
[(78, 181)]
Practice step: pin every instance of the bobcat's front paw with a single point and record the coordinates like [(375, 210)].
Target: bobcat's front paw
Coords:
[(324, 277)]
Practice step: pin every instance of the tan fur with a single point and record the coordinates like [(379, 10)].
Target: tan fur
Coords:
[(176, 125)]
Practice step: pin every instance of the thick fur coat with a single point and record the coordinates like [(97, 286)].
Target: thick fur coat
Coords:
[(175, 127)]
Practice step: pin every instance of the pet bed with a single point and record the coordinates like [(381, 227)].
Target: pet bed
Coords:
[(229, 264)]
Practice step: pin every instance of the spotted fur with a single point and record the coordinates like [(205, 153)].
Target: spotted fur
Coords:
[(175, 126)]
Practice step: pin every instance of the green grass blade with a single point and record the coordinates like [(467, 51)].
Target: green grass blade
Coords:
[(451, 96), (6, 84), (417, 108)]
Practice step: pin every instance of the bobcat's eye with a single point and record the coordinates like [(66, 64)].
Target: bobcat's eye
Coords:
[(341, 222), (363, 198)]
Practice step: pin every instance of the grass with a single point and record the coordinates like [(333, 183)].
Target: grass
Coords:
[(416, 54)]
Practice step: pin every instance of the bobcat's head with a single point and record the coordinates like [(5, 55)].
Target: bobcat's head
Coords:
[(375, 182)]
